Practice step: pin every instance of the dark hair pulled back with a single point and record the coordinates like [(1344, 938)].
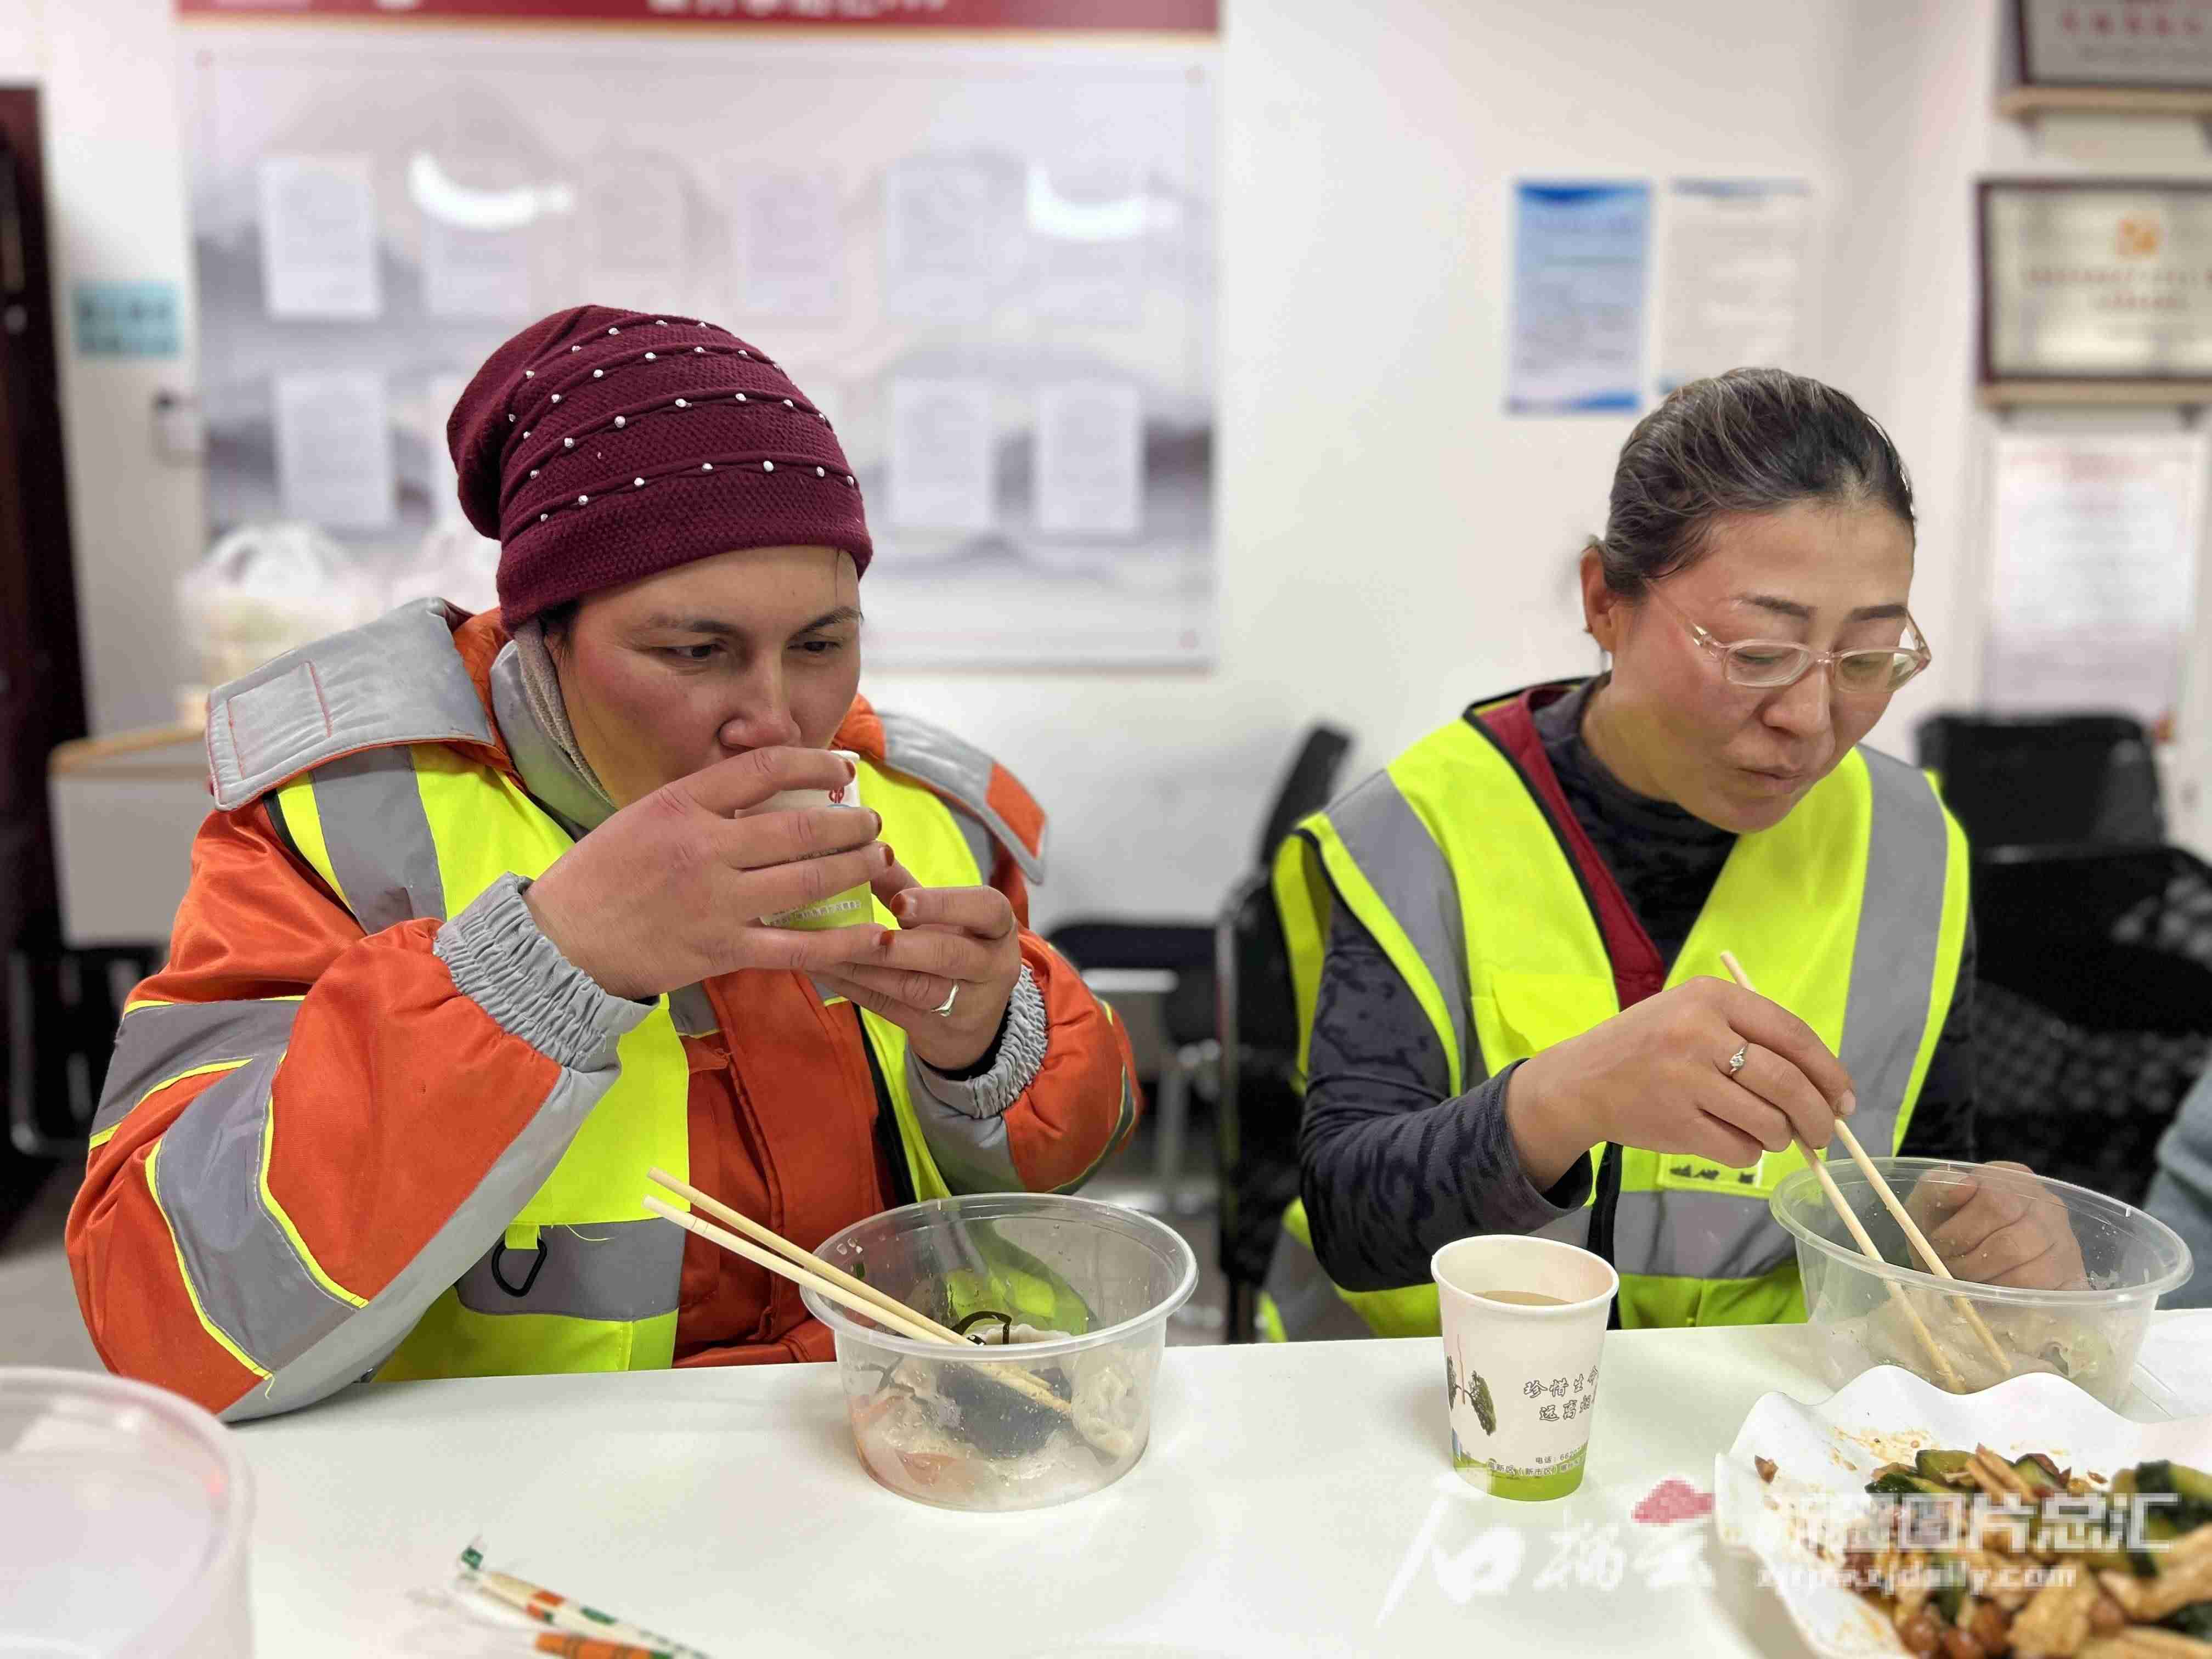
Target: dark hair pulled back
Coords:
[(1750, 440)]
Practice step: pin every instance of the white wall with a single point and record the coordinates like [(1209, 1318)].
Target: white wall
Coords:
[(1391, 545)]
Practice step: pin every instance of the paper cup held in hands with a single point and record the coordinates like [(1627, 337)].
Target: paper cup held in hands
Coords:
[(845, 909), (1523, 1325)]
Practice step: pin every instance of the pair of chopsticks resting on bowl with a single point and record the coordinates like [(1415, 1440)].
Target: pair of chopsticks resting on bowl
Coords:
[(786, 1259), (1927, 1252)]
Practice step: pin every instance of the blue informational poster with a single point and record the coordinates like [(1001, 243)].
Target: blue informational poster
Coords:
[(1580, 256)]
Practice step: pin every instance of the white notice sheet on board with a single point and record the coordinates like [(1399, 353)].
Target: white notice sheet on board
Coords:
[(475, 274), (941, 241), (334, 450), (1087, 227), (1735, 276), (942, 440), (1089, 458), (790, 245), (2092, 577), (319, 236), (636, 224)]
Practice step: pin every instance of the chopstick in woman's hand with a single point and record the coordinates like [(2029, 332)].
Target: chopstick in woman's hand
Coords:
[(1843, 1208)]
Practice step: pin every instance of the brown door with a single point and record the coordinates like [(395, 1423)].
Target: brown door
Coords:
[(41, 683)]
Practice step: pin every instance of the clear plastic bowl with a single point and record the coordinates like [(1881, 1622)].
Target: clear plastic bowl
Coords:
[(935, 1424), (2090, 1337), (123, 1515)]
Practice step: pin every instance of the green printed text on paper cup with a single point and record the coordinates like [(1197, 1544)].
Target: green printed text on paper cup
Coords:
[(1529, 1485), (843, 909)]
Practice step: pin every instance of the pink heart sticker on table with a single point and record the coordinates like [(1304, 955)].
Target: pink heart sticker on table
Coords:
[(1671, 1500)]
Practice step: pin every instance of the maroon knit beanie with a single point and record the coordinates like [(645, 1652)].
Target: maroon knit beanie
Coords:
[(601, 446)]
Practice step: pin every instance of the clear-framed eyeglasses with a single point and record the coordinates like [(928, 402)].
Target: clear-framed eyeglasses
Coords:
[(1770, 665)]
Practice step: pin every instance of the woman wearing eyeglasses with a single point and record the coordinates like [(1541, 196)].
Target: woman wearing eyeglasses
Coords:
[(1506, 946)]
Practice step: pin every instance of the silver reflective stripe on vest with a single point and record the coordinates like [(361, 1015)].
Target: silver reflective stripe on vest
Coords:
[(1678, 1234), (160, 1042), (693, 1012), (361, 1343), (957, 770), (248, 1276), (1402, 862), (1685, 1235), (378, 837), (395, 680), (613, 1270), (1893, 954)]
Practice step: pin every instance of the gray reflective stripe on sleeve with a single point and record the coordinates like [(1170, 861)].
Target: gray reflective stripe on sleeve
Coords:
[(378, 836), (157, 1042), (396, 680), (247, 1276), (366, 1338), (971, 1152), (1684, 1234), (1409, 874), (1893, 956), (960, 770), (613, 1270)]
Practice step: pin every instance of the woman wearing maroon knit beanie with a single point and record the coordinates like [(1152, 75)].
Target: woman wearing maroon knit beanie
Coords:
[(496, 913)]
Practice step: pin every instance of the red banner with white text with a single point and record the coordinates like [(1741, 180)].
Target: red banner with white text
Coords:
[(1202, 16)]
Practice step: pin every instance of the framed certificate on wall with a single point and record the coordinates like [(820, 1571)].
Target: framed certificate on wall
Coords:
[(2095, 290), (2146, 44)]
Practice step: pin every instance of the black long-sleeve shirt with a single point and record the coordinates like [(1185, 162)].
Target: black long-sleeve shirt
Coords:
[(1393, 1167)]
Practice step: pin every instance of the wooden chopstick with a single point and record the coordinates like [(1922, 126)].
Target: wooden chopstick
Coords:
[(806, 1259), (1935, 1263), (894, 1316), (1843, 1208)]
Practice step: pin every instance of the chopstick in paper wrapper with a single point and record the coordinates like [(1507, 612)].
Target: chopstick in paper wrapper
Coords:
[(548, 1607)]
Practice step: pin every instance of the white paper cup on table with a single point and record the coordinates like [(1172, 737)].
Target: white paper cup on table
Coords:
[(845, 909), (1524, 1321)]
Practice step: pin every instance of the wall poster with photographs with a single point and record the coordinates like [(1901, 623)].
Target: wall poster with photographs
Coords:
[(991, 260)]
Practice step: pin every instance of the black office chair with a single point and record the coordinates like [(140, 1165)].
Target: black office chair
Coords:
[(2046, 780), (1186, 950), (2093, 1006), (1257, 1118)]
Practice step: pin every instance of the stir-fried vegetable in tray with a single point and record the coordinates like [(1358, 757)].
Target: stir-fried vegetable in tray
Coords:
[(2052, 1564)]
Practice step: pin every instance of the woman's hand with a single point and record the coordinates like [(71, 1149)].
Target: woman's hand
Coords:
[(1988, 1233), (960, 942), (1657, 1077), (670, 890)]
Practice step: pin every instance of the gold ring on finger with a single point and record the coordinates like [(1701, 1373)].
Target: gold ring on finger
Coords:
[(1737, 1059)]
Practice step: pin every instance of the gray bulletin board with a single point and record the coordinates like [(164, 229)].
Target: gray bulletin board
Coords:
[(992, 263)]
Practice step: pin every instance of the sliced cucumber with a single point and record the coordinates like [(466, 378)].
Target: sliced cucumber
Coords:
[(1949, 1466), (2195, 1619), (2159, 1527), (2035, 1470), (1896, 1478)]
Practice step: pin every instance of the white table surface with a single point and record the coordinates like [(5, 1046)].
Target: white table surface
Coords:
[(1294, 1500)]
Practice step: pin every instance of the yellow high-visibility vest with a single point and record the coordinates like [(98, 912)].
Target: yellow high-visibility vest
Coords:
[(483, 825), (1851, 912)]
